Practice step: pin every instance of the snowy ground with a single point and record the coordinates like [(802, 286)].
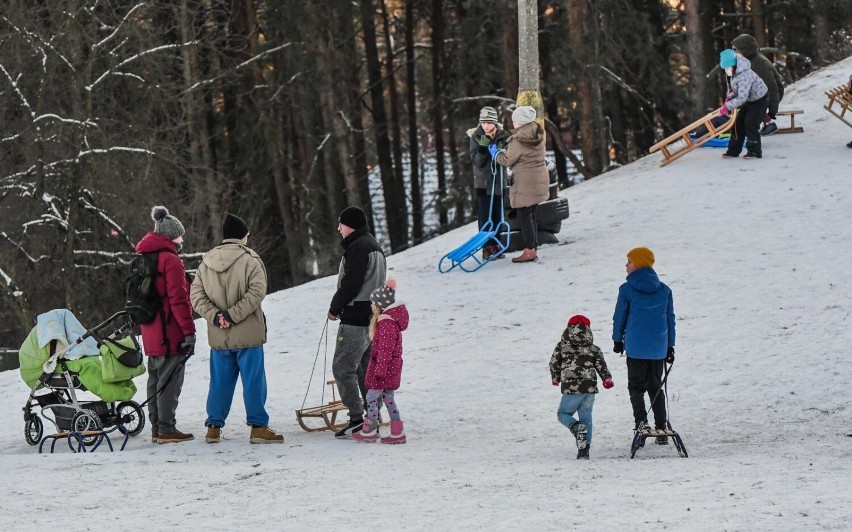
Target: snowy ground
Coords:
[(758, 255)]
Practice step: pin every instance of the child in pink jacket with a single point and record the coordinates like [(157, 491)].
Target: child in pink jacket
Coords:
[(385, 368)]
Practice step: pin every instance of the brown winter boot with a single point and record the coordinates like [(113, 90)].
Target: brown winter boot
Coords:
[(214, 434), (174, 437), (529, 255), (155, 436), (265, 435)]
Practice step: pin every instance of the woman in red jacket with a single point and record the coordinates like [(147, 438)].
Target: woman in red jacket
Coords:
[(172, 332)]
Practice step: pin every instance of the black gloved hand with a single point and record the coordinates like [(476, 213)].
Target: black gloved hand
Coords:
[(188, 344), (670, 355), (618, 347)]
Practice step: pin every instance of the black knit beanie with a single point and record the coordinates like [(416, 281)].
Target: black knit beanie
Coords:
[(353, 217), (234, 227)]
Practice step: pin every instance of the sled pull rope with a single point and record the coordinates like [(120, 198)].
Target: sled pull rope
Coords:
[(324, 362)]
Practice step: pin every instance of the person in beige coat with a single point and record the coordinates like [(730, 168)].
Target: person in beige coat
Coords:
[(227, 292), (524, 154)]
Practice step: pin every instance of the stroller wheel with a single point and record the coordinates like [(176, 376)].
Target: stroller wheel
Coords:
[(86, 420), (130, 414), (33, 430)]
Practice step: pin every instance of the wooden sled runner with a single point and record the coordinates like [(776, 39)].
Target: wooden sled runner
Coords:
[(839, 100), (327, 412), (792, 128), (672, 153)]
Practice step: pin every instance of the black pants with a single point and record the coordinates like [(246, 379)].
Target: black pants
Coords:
[(483, 203), (749, 119), (646, 376), (529, 233)]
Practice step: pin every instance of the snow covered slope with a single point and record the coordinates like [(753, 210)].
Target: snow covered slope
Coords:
[(758, 255)]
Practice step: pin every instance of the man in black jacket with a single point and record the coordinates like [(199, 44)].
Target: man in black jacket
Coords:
[(362, 270), (746, 45)]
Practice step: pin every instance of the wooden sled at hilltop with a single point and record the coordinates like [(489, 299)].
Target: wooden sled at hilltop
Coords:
[(839, 101), (672, 152)]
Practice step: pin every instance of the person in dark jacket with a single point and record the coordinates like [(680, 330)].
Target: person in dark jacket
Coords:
[(643, 325), (749, 94), (362, 270), (487, 177), (171, 334), (746, 45)]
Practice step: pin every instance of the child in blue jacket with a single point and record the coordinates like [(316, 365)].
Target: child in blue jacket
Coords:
[(644, 325)]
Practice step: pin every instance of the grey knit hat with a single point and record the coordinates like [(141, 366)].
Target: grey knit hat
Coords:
[(488, 114), (523, 115), (165, 223), (385, 296)]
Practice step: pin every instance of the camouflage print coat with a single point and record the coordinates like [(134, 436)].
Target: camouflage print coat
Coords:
[(575, 360)]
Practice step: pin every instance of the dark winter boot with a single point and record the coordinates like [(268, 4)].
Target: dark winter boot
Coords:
[(583, 454), (662, 440), (354, 425)]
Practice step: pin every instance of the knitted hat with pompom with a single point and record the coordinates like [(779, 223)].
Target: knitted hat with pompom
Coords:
[(385, 296), (165, 223)]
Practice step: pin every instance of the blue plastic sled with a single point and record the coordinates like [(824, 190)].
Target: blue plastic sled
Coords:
[(718, 142), (466, 256)]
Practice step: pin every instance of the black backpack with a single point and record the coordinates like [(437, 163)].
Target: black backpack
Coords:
[(141, 300)]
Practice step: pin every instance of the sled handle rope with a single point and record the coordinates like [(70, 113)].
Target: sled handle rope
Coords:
[(324, 365), (665, 389)]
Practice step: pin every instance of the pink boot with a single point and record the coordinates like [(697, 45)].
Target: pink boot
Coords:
[(397, 434), (369, 432)]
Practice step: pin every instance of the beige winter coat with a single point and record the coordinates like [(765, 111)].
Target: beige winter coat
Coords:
[(231, 278), (525, 156)]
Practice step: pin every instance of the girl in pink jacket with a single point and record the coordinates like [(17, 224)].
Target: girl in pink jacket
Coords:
[(385, 368)]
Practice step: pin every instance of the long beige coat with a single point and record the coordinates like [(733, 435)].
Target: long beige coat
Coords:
[(231, 278), (525, 156)]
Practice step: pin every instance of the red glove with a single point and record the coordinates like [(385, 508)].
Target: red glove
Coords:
[(724, 110), (607, 383), (555, 383)]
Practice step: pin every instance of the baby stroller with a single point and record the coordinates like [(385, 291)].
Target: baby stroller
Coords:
[(60, 358)]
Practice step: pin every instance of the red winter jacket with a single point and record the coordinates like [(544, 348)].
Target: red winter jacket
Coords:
[(173, 287), (385, 369)]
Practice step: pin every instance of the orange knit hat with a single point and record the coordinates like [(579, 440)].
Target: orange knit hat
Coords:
[(641, 257)]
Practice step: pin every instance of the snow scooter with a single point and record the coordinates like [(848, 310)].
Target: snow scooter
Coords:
[(643, 431)]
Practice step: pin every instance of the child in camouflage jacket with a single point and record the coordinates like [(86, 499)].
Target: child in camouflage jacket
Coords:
[(573, 364)]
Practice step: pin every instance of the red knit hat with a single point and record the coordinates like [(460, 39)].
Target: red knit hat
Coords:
[(578, 319)]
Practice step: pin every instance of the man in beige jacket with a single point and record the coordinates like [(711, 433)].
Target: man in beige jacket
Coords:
[(227, 292)]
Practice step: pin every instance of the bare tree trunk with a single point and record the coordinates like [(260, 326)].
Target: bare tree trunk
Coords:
[(390, 77), (437, 109), (581, 20), (203, 170), (413, 140), (698, 46), (820, 38), (758, 23), (394, 191), (528, 82)]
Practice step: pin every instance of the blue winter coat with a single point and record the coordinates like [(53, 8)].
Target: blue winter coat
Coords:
[(644, 316)]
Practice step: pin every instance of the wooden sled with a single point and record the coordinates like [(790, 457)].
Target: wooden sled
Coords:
[(842, 97), (793, 128), (327, 412), (671, 153), (640, 436)]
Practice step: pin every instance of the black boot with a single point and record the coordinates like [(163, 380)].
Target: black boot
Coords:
[(583, 454), (354, 425)]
